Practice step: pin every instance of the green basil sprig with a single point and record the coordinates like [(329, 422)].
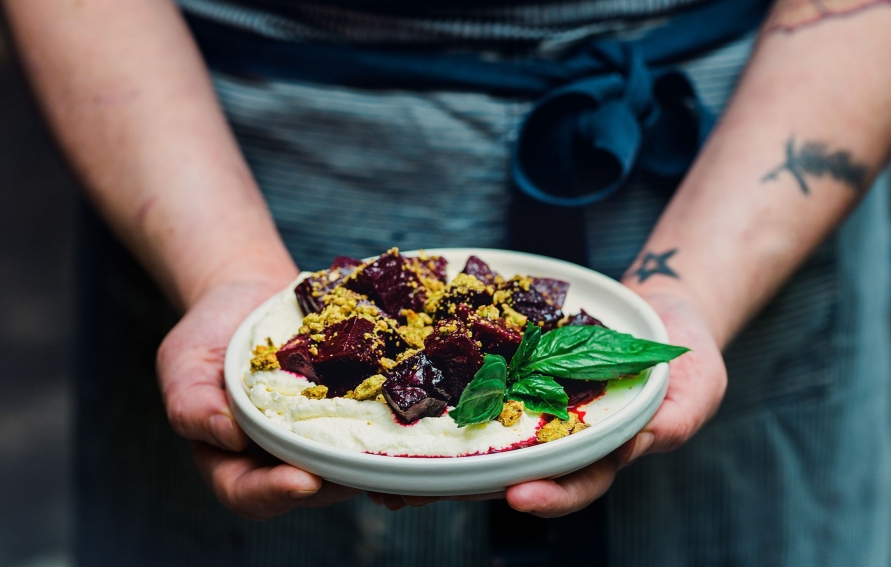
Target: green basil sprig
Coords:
[(577, 352), (482, 399), (595, 353), (540, 393)]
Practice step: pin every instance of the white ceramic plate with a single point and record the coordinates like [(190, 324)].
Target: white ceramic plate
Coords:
[(614, 417)]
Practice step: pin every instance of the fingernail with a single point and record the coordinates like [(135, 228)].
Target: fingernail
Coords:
[(643, 442), (221, 428), (300, 494)]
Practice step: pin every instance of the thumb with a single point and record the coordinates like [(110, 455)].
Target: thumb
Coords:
[(190, 372)]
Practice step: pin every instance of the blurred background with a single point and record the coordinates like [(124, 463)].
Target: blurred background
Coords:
[(37, 205)]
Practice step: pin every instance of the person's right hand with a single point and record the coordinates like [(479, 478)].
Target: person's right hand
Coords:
[(245, 479)]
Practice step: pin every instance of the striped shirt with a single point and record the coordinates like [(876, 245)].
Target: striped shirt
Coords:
[(433, 22)]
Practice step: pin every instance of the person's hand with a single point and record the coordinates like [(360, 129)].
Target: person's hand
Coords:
[(695, 389), (244, 478), (696, 386)]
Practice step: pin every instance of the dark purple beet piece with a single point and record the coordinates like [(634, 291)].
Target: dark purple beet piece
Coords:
[(341, 262), (294, 357), (581, 319), (533, 305), (452, 350), (431, 267), (350, 353), (411, 389), (581, 391), (495, 336), (390, 284), (464, 312), (458, 294), (554, 291), (311, 290), (480, 270)]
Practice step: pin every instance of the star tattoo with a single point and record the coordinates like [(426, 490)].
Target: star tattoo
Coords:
[(653, 264)]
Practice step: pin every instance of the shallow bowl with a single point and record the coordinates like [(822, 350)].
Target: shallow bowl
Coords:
[(615, 417)]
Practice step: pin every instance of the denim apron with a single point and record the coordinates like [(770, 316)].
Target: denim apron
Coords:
[(793, 470)]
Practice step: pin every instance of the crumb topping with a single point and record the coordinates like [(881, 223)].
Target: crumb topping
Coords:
[(448, 328), (513, 317), (510, 413), (319, 392), (417, 327), (369, 389), (264, 357), (489, 312), (465, 282), (340, 304), (558, 428)]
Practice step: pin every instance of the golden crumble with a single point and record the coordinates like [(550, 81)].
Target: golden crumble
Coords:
[(419, 320), (264, 357), (340, 304), (558, 428), (431, 304), (489, 312), (413, 336), (465, 282), (513, 317), (502, 296), (448, 328), (417, 327), (511, 413), (319, 392), (406, 354), (369, 389)]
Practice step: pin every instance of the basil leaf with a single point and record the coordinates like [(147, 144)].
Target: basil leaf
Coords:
[(596, 353), (531, 338), (542, 394), (483, 398)]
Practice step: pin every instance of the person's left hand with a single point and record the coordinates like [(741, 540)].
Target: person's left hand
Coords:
[(695, 389)]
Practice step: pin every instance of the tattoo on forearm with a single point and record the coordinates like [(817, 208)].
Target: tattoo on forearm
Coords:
[(813, 159), (789, 15), (653, 264)]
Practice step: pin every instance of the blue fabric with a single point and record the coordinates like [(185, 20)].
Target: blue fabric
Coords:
[(603, 109)]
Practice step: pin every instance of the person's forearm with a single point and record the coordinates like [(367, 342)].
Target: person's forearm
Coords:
[(802, 140), (125, 90)]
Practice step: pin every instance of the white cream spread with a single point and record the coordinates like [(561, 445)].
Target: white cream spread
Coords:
[(371, 427), (366, 426)]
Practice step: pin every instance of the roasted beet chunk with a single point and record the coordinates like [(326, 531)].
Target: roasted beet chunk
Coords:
[(433, 267), (480, 270), (294, 356), (411, 389), (582, 391), (521, 295), (496, 336), (464, 289), (390, 282), (581, 319), (311, 290), (349, 353), (452, 350), (554, 291), (344, 263)]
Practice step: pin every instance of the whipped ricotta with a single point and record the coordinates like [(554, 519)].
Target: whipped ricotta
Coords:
[(364, 426)]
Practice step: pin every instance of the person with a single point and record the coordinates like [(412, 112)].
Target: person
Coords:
[(791, 469)]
